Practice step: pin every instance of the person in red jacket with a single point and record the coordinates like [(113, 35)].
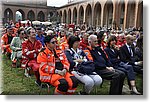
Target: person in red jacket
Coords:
[(6, 40), (121, 41), (84, 41), (54, 68), (30, 49)]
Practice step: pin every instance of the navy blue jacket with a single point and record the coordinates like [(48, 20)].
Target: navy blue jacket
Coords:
[(125, 55), (113, 56), (70, 56), (100, 59)]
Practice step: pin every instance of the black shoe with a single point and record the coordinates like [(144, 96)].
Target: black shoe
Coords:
[(82, 93), (38, 83), (45, 85)]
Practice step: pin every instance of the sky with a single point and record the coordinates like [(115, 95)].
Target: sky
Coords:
[(56, 3)]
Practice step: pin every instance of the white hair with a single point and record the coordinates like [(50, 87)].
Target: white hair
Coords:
[(90, 38), (49, 32)]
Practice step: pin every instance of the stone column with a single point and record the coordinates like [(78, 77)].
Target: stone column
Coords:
[(14, 15), (139, 21), (102, 15), (125, 24), (84, 8), (136, 14), (115, 13), (78, 16), (72, 15), (92, 22)]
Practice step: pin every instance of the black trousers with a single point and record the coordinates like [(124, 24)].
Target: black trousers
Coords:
[(117, 80)]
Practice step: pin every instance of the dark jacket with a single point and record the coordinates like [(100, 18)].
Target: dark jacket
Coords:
[(125, 56), (100, 59), (113, 56), (71, 56)]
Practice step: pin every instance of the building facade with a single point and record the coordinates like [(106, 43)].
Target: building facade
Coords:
[(118, 13), (29, 9)]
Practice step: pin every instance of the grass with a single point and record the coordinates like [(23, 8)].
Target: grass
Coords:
[(14, 85)]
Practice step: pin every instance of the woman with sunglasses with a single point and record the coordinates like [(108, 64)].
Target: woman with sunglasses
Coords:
[(54, 68)]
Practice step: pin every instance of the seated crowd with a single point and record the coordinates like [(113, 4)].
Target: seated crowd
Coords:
[(56, 56)]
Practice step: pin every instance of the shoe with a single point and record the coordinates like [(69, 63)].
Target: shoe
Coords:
[(38, 83), (27, 75), (82, 93), (13, 65), (45, 85), (135, 93)]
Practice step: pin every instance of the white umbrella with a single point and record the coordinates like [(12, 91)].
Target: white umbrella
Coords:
[(46, 23), (36, 22)]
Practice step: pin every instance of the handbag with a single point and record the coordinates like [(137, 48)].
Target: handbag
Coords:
[(86, 67)]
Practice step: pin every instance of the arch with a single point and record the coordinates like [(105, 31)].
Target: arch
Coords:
[(108, 13), (88, 15), (22, 13), (81, 15), (140, 15), (31, 15), (75, 15), (51, 14), (121, 13), (41, 16), (131, 12), (8, 15), (57, 16), (97, 14), (18, 16), (60, 14), (69, 16), (65, 16)]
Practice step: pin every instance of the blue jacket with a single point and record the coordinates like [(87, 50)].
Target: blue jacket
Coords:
[(41, 39)]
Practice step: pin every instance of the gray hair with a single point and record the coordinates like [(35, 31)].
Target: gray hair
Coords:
[(90, 38)]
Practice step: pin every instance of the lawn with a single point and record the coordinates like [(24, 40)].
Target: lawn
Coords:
[(14, 83)]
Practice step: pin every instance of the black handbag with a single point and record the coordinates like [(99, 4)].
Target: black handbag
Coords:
[(86, 67)]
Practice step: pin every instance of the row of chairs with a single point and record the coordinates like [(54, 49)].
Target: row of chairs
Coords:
[(48, 86)]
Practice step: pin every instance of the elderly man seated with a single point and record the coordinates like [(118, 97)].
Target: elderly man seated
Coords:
[(30, 49)]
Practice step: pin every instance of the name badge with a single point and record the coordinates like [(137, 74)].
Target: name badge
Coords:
[(99, 53)]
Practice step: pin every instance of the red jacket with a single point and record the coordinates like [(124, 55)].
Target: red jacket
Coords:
[(4, 42), (83, 45), (120, 44), (27, 55)]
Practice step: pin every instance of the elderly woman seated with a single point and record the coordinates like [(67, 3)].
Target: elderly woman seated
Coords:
[(16, 46)]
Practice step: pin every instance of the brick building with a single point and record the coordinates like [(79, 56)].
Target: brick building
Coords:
[(122, 13), (29, 9)]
